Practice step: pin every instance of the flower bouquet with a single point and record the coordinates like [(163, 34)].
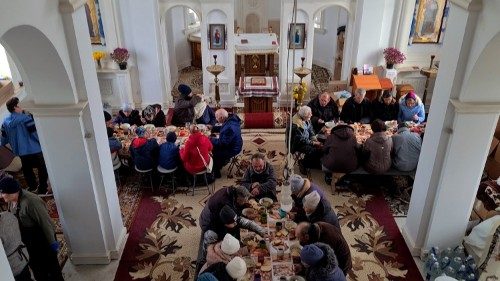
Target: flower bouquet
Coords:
[(393, 56), (120, 56), (98, 56), (299, 91)]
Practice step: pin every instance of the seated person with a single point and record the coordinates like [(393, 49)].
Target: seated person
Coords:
[(316, 210), (236, 269), (169, 153), (304, 139), (385, 108), (229, 143), (195, 154), (128, 115), (143, 150), (114, 144), (222, 251), (324, 109), (340, 152), (356, 108), (411, 108), (259, 178), (153, 114), (204, 114), (184, 106), (377, 149), (321, 263), (108, 119), (406, 148)]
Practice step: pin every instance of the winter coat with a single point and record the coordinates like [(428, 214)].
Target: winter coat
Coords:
[(19, 131), (266, 179), (133, 119), (208, 117), (406, 113), (406, 150), (184, 110), (219, 271), (324, 209), (144, 153), (379, 147), (159, 120), (340, 150), (385, 112), (10, 235), (324, 213), (215, 255), (229, 143), (332, 235), (327, 268), (114, 144), (326, 113), (169, 156), (302, 135), (355, 112), (193, 163)]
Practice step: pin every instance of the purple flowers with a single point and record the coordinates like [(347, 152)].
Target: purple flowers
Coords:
[(393, 56), (120, 55)]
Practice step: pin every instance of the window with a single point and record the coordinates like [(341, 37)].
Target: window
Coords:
[(4, 64), (319, 23), (191, 18)]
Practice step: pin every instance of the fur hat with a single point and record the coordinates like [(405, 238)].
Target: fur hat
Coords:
[(411, 95), (296, 183), (140, 131), (311, 254), (9, 185), (227, 215), (311, 200), (236, 268), (230, 245), (171, 137), (185, 90)]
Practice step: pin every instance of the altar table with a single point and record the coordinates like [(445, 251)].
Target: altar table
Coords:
[(258, 97)]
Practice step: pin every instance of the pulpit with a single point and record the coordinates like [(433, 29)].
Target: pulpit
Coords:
[(258, 93)]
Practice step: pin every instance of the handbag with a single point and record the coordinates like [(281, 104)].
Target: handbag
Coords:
[(209, 169)]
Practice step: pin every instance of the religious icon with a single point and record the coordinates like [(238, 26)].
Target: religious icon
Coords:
[(217, 36), (428, 20), (297, 36), (94, 22)]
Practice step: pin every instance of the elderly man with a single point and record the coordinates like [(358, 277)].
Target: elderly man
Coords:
[(356, 108), (229, 143), (128, 115), (184, 106), (331, 235), (37, 229), (18, 130), (406, 148), (324, 109), (259, 178), (304, 140)]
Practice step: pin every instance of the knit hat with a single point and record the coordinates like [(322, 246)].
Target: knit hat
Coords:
[(227, 215), (207, 277), (185, 90), (236, 268), (296, 183), (230, 245), (411, 95), (140, 131), (9, 185), (311, 200), (107, 116), (171, 137), (311, 254)]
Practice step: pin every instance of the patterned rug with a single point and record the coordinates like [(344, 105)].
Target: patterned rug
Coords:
[(163, 240), (191, 76), (320, 77)]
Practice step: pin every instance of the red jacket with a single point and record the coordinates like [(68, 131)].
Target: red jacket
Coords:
[(190, 156)]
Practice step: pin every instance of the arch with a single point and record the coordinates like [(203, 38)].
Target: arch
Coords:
[(41, 68), (252, 23), (165, 6)]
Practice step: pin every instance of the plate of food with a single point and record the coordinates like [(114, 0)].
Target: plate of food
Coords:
[(171, 128), (250, 213), (125, 126), (149, 126), (266, 202), (290, 225), (183, 133)]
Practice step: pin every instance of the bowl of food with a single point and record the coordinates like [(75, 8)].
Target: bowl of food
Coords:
[(266, 202), (125, 126), (290, 225), (250, 213)]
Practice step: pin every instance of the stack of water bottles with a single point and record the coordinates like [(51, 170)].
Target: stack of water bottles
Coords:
[(450, 262)]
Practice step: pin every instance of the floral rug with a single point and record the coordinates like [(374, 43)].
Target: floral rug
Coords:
[(164, 237)]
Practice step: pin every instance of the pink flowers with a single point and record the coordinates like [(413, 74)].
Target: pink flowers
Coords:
[(393, 56), (120, 55)]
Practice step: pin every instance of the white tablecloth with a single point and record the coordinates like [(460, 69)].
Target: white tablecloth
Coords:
[(258, 43)]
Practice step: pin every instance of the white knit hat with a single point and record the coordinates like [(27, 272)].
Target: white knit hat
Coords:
[(311, 200), (236, 268), (230, 245)]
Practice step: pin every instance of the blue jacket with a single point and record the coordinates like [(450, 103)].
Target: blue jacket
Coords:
[(144, 153), (406, 113), (19, 131), (169, 156), (229, 142), (208, 117), (114, 144)]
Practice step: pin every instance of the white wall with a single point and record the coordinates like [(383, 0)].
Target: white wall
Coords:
[(273, 9), (170, 41), (4, 64), (182, 48)]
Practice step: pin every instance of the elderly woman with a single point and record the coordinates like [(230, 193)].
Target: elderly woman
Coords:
[(128, 115), (196, 151), (411, 108), (385, 108), (356, 108), (377, 149), (304, 140), (143, 150)]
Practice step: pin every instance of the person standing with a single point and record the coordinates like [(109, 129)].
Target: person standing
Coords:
[(14, 247), (37, 229), (19, 131)]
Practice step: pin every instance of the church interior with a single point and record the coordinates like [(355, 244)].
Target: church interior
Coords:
[(263, 64)]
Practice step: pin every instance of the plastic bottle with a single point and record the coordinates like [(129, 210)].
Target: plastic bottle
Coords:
[(471, 277), (456, 263), (444, 262), (449, 271), (459, 252), (435, 251), (462, 272), (434, 272), (447, 253), (431, 259), (469, 260)]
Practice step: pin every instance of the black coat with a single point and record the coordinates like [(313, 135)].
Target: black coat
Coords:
[(159, 120), (184, 110), (266, 179), (326, 113), (340, 150), (354, 112), (209, 217), (385, 112), (327, 268), (133, 119), (332, 236)]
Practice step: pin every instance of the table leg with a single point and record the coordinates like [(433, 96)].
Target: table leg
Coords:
[(425, 90)]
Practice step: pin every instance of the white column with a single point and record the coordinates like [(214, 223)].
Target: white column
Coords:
[(459, 36), (6, 272)]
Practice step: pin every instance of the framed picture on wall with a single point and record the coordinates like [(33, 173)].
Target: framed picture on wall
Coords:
[(428, 20), (217, 36), (297, 36), (94, 22)]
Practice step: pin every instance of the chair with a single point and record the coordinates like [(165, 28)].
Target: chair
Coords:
[(145, 173), (234, 163), (204, 173), (116, 166), (164, 172)]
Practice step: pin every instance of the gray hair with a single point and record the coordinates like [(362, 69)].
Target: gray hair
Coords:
[(304, 110), (361, 91), (127, 107), (222, 112)]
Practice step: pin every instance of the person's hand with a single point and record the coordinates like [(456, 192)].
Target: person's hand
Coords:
[(255, 191), (54, 246), (415, 117)]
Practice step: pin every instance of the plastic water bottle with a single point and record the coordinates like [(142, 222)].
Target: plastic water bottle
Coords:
[(447, 253), (449, 271), (434, 272), (456, 263), (471, 277), (431, 259), (472, 268), (445, 262), (459, 252), (462, 272), (435, 251), (469, 260)]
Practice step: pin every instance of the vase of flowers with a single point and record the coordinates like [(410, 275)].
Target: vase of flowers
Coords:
[(393, 56), (120, 56), (98, 56), (299, 91)]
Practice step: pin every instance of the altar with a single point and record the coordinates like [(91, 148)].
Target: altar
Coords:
[(258, 93), (255, 54)]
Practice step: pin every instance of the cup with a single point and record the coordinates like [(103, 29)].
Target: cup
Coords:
[(279, 226), (296, 259), (280, 253)]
